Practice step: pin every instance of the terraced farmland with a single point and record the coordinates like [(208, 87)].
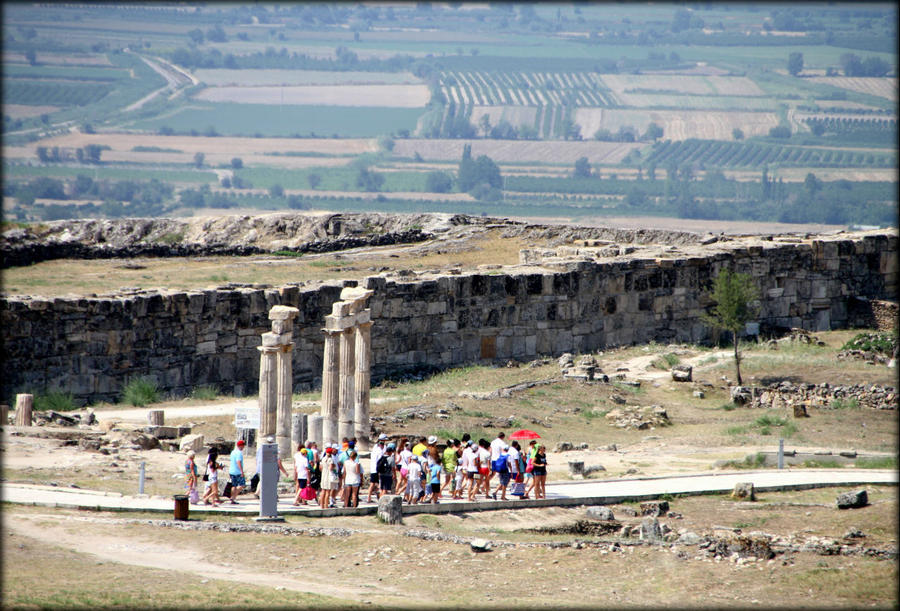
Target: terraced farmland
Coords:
[(882, 87), (717, 154)]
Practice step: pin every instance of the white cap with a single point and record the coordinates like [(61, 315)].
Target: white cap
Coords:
[(432, 439), (382, 437), (505, 447)]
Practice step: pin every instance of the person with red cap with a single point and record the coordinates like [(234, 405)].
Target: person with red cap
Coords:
[(236, 470)]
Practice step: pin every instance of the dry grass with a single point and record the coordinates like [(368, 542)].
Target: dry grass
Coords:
[(396, 571), (83, 277)]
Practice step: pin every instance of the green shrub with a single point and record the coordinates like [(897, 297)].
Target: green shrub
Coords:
[(666, 361), (852, 403), (55, 400), (873, 342), (205, 393), (728, 406), (754, 461), (140, 392), (822, 464)]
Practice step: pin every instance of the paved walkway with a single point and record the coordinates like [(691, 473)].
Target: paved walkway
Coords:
[(559, 494)]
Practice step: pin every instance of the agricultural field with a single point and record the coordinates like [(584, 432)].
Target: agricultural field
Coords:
[(682, 84), (372, 96), (881, 87), (259, 78), (305, 90), (514, 151), (678, 125)]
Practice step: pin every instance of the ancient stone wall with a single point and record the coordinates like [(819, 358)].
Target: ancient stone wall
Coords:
[(92, 346)]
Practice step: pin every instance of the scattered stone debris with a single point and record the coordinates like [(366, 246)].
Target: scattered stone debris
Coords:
[(577, 469), (640, 418), (786, 395), (422, 412), (796, 336), (600, 512)]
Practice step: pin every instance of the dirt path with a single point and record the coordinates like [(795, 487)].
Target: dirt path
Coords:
[(138, 551)]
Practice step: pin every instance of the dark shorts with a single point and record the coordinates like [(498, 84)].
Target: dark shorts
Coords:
[(237, 480), (301, 483), (386, 482), (541, 471), (373, 478), (435, 488), (504, 478)]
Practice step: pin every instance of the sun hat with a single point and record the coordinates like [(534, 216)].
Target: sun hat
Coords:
[(382, 437), (432, 440)]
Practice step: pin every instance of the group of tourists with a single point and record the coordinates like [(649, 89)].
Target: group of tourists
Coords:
[(420, 472)]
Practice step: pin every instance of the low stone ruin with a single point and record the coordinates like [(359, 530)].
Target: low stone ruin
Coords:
[(640, 418), (787, 395)]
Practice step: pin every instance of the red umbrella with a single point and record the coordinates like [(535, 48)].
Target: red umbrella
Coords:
[(525, 434)]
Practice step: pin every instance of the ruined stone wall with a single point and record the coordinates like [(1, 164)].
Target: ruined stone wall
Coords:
[(91, 346)]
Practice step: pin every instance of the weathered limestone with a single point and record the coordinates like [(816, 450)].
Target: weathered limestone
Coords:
[(276, 380), (390, 509), (89, 346), (156, 417), (345, 399), (298, 430), (24, 403), (330, 386), (314, 429), (268, 389), (363, 353)]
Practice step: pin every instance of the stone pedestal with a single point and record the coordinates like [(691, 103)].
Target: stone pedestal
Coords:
[(24, 403), (156, 417), (363, 353), (268, 389), (330, 385)]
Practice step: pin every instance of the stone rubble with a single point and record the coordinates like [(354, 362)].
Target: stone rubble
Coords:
[(786, 394), (640, 418)]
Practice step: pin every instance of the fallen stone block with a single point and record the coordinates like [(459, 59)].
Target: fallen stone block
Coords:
[(600, 513), (390, 509), (741, 395), (654, 508), (191, 443), (650, 530), (800, 411), (852, 500), (744, 490), (480, 545), (683, 373)]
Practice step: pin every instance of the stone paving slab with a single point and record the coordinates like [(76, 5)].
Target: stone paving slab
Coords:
[(559, 494)]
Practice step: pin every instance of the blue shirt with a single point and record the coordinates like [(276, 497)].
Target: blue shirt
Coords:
[(237, 462), (435, 474)]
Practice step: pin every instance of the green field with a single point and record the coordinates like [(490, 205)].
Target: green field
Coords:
[(271, 120), (110, 173)]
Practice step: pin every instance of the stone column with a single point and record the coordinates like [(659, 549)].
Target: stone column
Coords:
[(24, 403), (315, 429), (282, 318), (285, 400), (348, 384), (298, 431), (330, 381), (363, 353), (268, 388)]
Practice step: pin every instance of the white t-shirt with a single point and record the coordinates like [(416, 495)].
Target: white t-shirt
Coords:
[(495, 448), (513, 460), (485, 456), (468, 459), (302, 465), (377, 451), (415, 471), (351, 474), (404, 457)]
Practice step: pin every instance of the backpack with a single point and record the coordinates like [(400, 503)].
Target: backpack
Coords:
[(500, 465), (382, 466)]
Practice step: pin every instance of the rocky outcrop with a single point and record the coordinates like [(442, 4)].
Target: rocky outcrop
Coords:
[(785, 395)]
